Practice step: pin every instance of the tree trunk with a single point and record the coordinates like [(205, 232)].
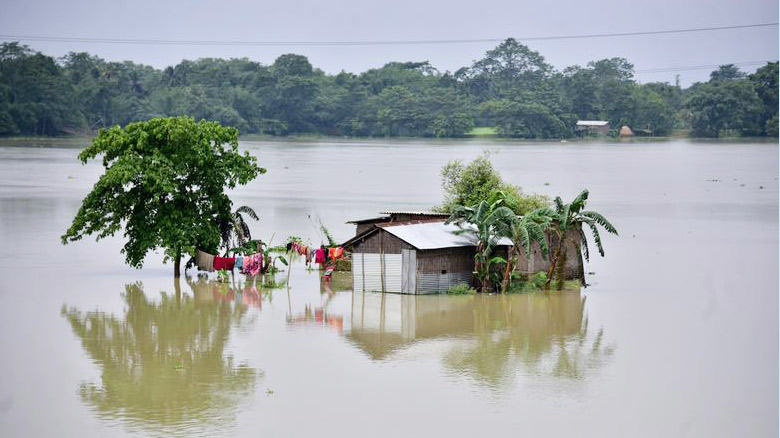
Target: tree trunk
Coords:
[(553, 263), (507, 272), (177, 290), (177, 265), (561, 274)]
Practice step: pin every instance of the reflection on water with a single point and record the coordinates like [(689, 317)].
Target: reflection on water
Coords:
[(492, 336), (162, 363)]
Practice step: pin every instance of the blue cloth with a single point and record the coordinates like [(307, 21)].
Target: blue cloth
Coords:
[(239, 262)]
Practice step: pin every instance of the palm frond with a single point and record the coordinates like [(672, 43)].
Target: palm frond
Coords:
[(596, 236), (579, 202), (541, 215), (564, 221), (558, 205), (248, 211), (245, 234), (538, 235), (522, 236), (584, 245), (601, 220), (460, 214)]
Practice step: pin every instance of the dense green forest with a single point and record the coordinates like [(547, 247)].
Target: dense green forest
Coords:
[(511, 89)]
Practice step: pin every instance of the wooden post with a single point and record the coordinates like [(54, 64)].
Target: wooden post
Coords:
[(289, 268), (381, 261)]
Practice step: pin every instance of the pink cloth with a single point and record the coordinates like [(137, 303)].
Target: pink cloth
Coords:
[(253, 264)]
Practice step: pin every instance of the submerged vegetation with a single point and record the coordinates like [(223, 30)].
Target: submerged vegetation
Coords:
[(461, 289), (511, 91), (476, 195)]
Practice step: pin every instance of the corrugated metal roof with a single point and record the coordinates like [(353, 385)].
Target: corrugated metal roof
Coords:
[(435, 235), (421, 213), (372, 219), (592, 122)]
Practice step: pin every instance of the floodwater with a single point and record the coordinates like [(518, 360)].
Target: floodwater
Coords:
[(676, 336)]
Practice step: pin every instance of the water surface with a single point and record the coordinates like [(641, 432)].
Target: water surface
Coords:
[(676, 336)]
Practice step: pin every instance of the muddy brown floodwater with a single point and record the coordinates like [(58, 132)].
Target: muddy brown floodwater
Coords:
[(676, 336)]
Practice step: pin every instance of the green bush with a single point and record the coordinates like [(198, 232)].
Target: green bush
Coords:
[(461, 289)]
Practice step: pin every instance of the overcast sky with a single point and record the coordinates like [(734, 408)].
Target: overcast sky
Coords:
[(362, 20)]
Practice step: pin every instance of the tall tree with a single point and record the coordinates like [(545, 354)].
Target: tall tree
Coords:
[(765, 83), (724, 105), (164, 183)]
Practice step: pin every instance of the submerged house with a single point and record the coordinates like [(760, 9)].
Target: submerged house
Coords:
[(417, 253)]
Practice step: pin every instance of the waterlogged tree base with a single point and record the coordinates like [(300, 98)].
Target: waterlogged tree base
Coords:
[(164, 184)]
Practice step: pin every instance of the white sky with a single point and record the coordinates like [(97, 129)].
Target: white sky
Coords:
[(351, 20)]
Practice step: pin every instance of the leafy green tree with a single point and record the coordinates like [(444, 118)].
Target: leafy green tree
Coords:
[(651, 112), (34, 95), (505, 70), (727, 72), (765, 83), (290, 99), (524, 120), (724, 105), (477, 181), (572, 217), (772, 126), (164, 183)]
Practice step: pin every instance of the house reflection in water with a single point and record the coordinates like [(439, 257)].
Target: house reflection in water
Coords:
[(488, 336)]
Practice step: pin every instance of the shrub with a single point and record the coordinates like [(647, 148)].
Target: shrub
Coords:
[(461, 289)]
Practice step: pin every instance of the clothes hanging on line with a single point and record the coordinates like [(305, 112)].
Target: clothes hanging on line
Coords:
[(252, 264), (204, 261), (335, 253), (319, 256), (224, 263), (309, 255), (239, 262)]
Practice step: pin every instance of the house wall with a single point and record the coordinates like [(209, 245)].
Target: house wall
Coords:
[(361, 228), (440, 269), (434, 261), (389, 244), (573, 269)]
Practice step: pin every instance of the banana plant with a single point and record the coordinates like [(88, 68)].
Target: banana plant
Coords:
[(572, 216)]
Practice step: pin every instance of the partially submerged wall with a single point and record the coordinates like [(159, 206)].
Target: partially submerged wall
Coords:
[(573, 268)]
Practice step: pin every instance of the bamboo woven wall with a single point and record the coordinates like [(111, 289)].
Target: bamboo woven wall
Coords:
[(390, 244), (574, 265), (451, 260)]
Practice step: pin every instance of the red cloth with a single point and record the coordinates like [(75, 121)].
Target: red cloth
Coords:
[(335, 253), (319, 256), (226, 263)]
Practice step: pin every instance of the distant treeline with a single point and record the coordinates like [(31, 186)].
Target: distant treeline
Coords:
[(511, 89)]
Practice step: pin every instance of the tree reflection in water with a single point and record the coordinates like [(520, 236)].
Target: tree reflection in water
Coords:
[(162, 362), (492, 336), (546, 335)]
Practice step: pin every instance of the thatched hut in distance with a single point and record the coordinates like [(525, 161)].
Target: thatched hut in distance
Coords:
[(625, 131)]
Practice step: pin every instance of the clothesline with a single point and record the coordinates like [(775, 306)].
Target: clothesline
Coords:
[(252, 264)]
